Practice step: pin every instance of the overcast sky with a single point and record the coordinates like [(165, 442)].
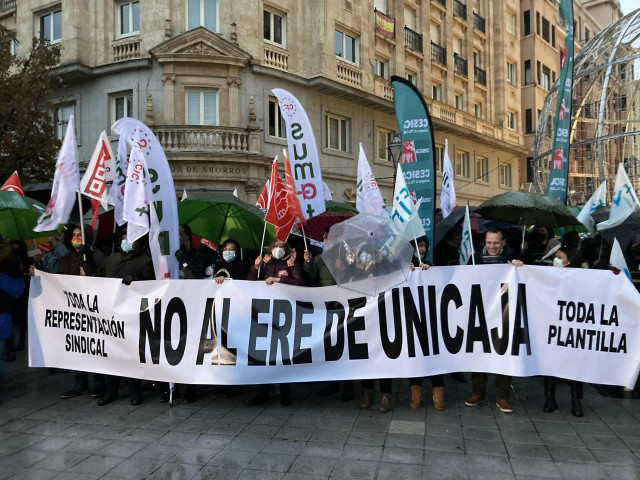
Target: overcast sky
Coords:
[(627, 6)]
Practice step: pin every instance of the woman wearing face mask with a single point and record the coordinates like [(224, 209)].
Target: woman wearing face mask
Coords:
[(565, 257), (278, 265), (229, 265)]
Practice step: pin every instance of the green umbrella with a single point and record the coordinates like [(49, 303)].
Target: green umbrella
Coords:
[(527, 208), (333, 206), (19, 215), (218, 217)]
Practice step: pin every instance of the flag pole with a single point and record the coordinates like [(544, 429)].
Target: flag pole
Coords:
[(264, 230), (304, 237), (84, 255), (473, 252)]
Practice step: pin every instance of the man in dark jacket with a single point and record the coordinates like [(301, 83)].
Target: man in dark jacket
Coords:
[(130, 264), (495, 250), (11, 286)]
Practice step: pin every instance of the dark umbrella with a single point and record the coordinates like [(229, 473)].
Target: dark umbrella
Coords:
[(335, 212), (445, 225), (527, 208)]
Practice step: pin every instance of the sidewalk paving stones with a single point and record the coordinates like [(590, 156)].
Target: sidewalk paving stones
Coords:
[(43, 437)]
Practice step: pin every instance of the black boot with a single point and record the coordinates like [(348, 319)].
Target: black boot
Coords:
[(135, 392), (110, 395), (329, 389), (261, 397), (550, 404), (190, 394), (576, 397), (285, 398), (347, 392)]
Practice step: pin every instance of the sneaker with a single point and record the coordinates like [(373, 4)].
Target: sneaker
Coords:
[(76, 391), (474, 400), (504, 405)]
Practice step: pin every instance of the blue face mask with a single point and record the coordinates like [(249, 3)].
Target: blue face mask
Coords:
[(126, 246)]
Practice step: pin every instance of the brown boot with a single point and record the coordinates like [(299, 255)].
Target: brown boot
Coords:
[(416, 396), (366, 398), (438, 399), (385, 403)]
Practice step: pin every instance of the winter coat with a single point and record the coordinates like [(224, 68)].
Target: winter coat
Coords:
[(317, 274), (278, 268), (236, 269)]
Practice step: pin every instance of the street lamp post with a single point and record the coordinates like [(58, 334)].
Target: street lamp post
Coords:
[(395, 145)]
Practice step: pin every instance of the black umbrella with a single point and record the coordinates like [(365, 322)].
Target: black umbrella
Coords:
[(623, 232)]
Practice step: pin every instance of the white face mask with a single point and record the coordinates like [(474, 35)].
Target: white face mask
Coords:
[(229, 255), (278, 253), (558, 262)]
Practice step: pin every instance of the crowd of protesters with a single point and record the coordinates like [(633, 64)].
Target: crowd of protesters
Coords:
[(280, 262)]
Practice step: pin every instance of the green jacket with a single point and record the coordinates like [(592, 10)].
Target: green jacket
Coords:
[(316, 273)]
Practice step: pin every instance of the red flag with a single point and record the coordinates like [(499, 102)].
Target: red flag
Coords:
[(294, 201), (13, 184), (263, 199), (95, 207), (280, 213)]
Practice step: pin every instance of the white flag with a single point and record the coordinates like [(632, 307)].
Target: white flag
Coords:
[(368, 196), (327, 191), (303, 154), (404, 213), (184, 195), (616, 259), (136, 197), (100, 172), (164, 239), (623, 201), (116, 193), (66, 181), (466, 246), (598, 199), (448, 193)]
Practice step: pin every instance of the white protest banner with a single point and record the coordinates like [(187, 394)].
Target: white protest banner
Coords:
[(564, 322), (66, 181), (368, 196), (100, 172), (303, 154), (164, 238)]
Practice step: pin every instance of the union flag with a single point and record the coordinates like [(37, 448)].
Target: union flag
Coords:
[(13, 184), (280, 213)]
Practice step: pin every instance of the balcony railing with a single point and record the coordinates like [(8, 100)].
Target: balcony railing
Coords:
[(438, 54), (460, 65), (478, 22), (7, 4), (127, 50), (276, 58), (459, 9), (480, 75), (412, 39), (202, 138), (442, 2), (349, 74)]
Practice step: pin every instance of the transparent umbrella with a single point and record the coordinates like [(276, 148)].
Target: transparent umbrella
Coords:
[(366, 254)]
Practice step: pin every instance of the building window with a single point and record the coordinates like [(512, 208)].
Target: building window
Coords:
[(347, 47), (63, 114), (528, 121), (512, 23), (435, 33), (439, 157), (436, 92), (51, 26), (382, 68), (457, 45), (538, 23), (121, 106), (478, 110), (459, 101), (383, 138), (482, 169), (527, 72), (512, 121), (202, 108), (277, 125), (587, 34), (411, 77), (505, 174), (463, 168), (410, 18), (545, 30), (203, 13), (527, 22), (546, 77), (512, 75), (128, 18), (553, 36), (338, 133), (275, 28)]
